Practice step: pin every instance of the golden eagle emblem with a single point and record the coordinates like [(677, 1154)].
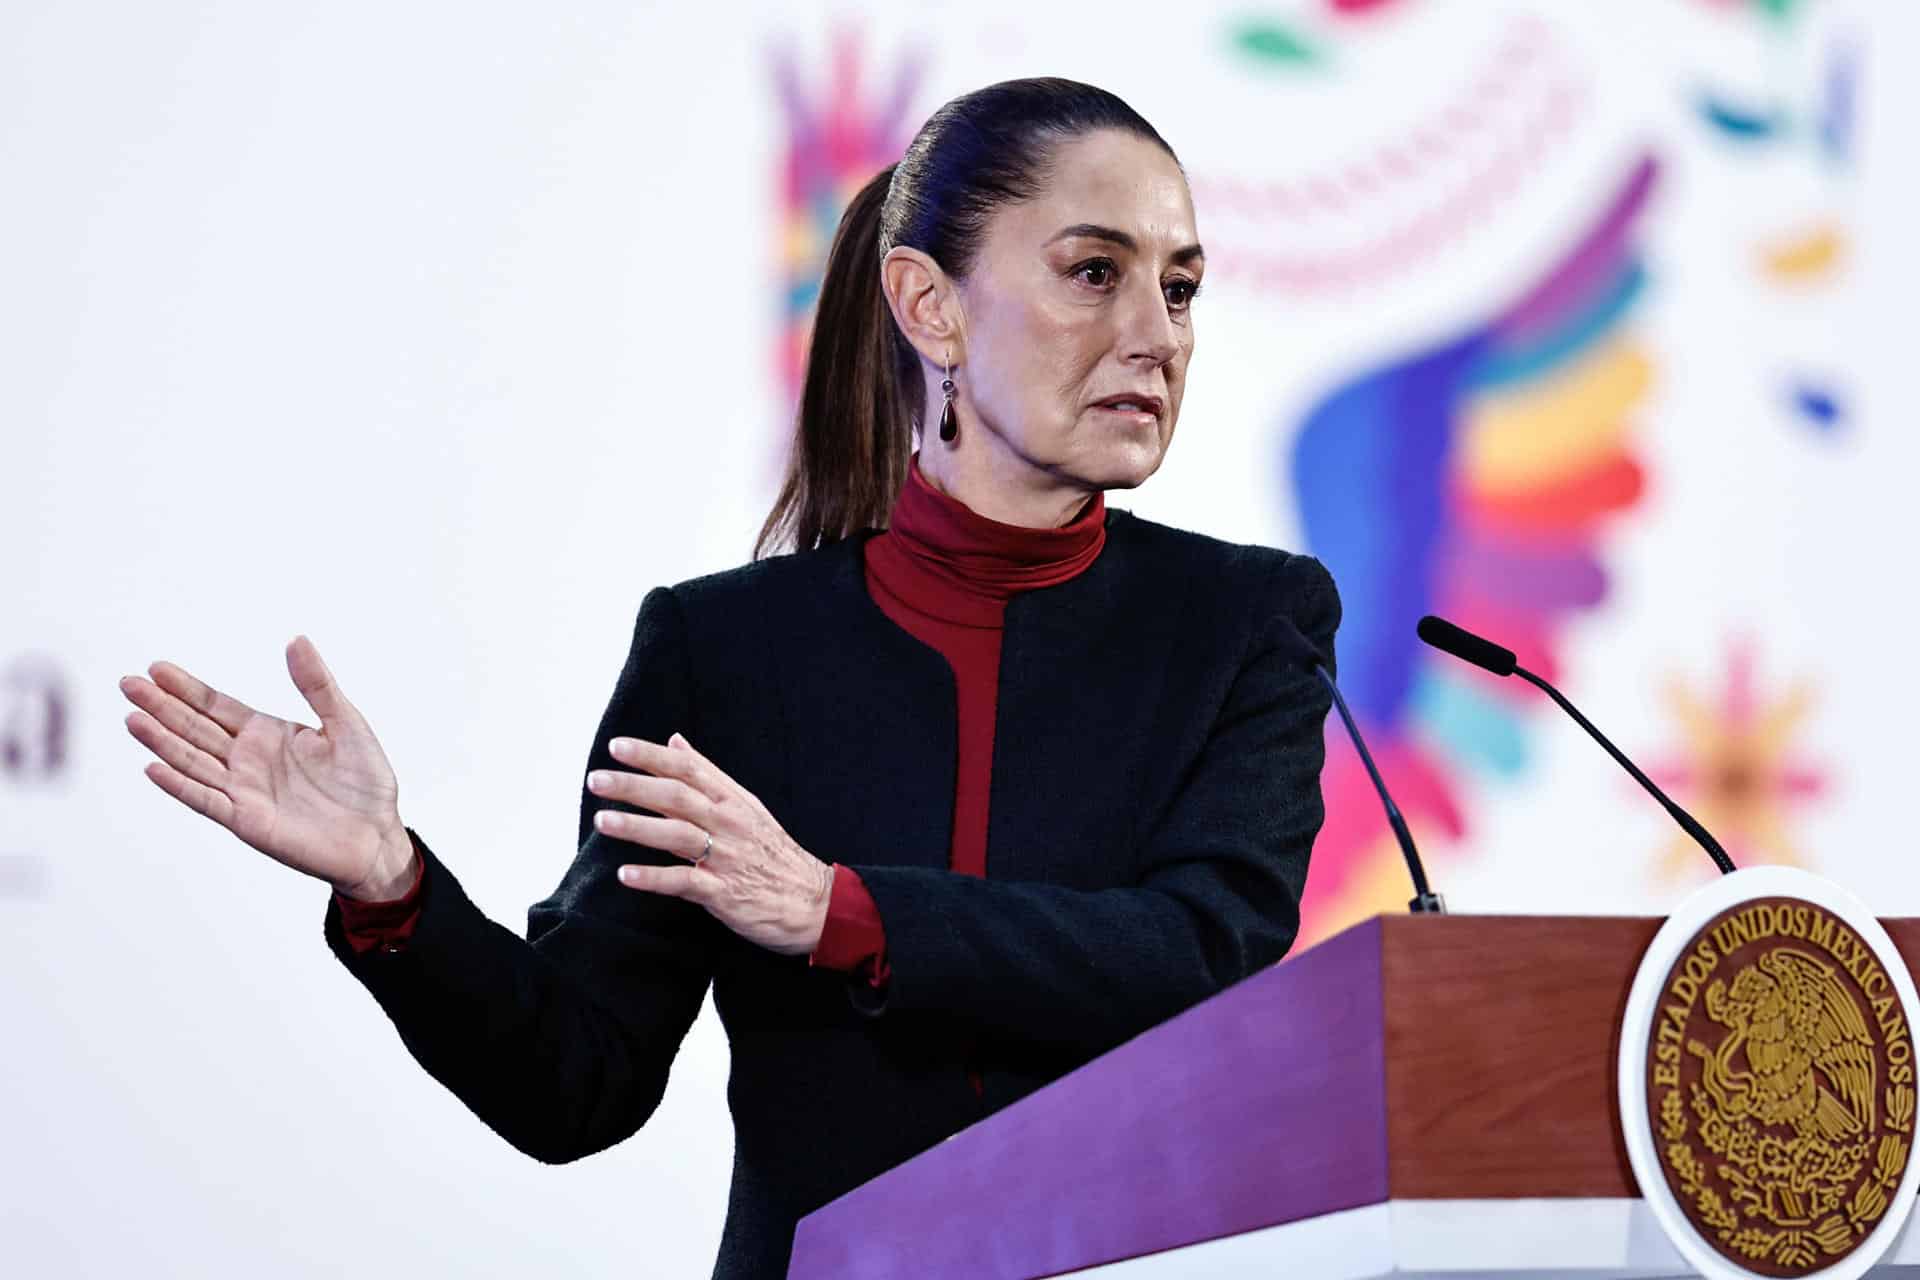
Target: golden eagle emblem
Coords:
[(1781, 1086), (1808, 1055)]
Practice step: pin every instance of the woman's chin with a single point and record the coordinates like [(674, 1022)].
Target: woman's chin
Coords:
[(1126, 464)]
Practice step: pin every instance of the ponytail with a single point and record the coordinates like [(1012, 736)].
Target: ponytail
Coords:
[(853, 435)]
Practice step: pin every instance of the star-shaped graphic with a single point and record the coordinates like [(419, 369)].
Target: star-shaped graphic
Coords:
[(1738, 769)]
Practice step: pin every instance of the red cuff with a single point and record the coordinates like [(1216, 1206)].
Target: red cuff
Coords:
[(368, 925), (853, 940)]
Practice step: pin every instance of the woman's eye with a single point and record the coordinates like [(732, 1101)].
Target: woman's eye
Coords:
[(1181, 293), (1101, 266)]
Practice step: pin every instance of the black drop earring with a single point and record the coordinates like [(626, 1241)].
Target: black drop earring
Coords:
[(949, 425)]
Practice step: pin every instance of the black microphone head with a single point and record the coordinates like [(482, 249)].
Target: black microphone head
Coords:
[(1466, 646)]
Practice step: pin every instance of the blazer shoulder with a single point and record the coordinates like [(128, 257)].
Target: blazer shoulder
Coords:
[(1248, 570), (759, 582)]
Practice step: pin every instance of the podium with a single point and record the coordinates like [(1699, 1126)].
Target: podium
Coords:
[(1419, 1095)]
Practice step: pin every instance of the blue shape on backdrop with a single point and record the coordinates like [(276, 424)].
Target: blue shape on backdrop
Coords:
[(1817, 406)]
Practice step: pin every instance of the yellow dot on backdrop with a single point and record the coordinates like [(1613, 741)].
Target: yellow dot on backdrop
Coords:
[(1805, 257)]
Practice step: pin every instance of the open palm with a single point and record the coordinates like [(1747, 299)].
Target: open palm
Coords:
[(322, 801)]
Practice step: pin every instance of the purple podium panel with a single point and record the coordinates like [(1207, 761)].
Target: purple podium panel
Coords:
[(1263, 1105)]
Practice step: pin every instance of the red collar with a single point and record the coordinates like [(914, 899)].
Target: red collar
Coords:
[(944, 558)]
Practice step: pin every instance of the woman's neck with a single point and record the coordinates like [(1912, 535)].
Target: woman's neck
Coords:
[(1009, 490)]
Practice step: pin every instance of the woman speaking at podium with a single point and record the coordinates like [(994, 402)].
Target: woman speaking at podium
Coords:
[(976, 781)]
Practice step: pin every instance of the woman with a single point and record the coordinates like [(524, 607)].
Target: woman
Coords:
[(942, 812)]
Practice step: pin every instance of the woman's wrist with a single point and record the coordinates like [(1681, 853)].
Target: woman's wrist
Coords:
[(393, 874), (817, 909)]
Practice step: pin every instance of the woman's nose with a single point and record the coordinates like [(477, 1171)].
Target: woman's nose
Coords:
[(1148, 329)]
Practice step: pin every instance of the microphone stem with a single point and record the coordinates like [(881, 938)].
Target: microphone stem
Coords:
[(1425, 899), (1681, 816)]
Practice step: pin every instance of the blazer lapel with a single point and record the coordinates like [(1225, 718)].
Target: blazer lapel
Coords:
[(888, 745), (1082, 669)]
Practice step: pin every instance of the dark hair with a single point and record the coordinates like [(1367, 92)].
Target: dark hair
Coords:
[(861, 399)]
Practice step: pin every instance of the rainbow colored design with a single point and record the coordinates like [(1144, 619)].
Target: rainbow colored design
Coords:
[(1471, 479), (835, 145)]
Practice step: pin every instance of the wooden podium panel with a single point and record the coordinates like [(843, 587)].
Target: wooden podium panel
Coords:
[(1410, 1060), (1501, 1037)]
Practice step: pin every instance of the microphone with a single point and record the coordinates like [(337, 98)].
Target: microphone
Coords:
[(1488, 656), (1299, 648)]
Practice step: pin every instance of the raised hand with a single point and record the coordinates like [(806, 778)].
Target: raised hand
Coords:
[(322, 801)]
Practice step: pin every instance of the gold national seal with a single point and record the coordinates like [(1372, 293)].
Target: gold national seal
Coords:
[(1780, 1086)]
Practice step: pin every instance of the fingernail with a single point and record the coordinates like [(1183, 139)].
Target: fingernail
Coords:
[(617, 745), (628, 875), (679, 738), (598, 779)]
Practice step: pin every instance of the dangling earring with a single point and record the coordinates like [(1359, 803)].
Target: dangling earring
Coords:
[(949, 426)]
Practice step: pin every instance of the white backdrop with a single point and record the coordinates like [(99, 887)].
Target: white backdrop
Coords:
[(442, 332)]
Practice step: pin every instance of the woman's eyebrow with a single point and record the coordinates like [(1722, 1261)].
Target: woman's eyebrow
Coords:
[(1113, 235)]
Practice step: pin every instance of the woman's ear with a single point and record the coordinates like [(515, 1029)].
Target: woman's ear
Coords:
[(925, 304)]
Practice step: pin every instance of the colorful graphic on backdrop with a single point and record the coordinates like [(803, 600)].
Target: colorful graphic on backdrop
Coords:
[(1406, 197), (1770, 116), (1471, 479), (34, 720), (836, 142), (35, 723), (1294, 42), (1809, 251), (1739, 768)]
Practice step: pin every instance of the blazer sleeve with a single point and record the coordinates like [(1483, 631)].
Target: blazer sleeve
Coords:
[(1084, 970), (560, 1041)]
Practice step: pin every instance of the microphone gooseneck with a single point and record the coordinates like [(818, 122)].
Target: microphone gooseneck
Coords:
[(1425, 900), (1485, 654)]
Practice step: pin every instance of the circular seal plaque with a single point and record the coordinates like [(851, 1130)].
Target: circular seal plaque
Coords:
[(1767, 1079)]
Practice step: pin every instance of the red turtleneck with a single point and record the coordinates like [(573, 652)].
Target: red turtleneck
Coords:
[(944, 573)]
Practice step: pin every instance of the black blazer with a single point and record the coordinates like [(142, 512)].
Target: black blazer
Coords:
[(1154, 797)]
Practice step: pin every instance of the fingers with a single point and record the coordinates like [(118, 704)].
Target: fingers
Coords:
[(177, 716), (677, 882), (201, 799), (676, 760), (183, 756), (662, 795), (668, 835), (317, 685), (228, 713), (703, 773)]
